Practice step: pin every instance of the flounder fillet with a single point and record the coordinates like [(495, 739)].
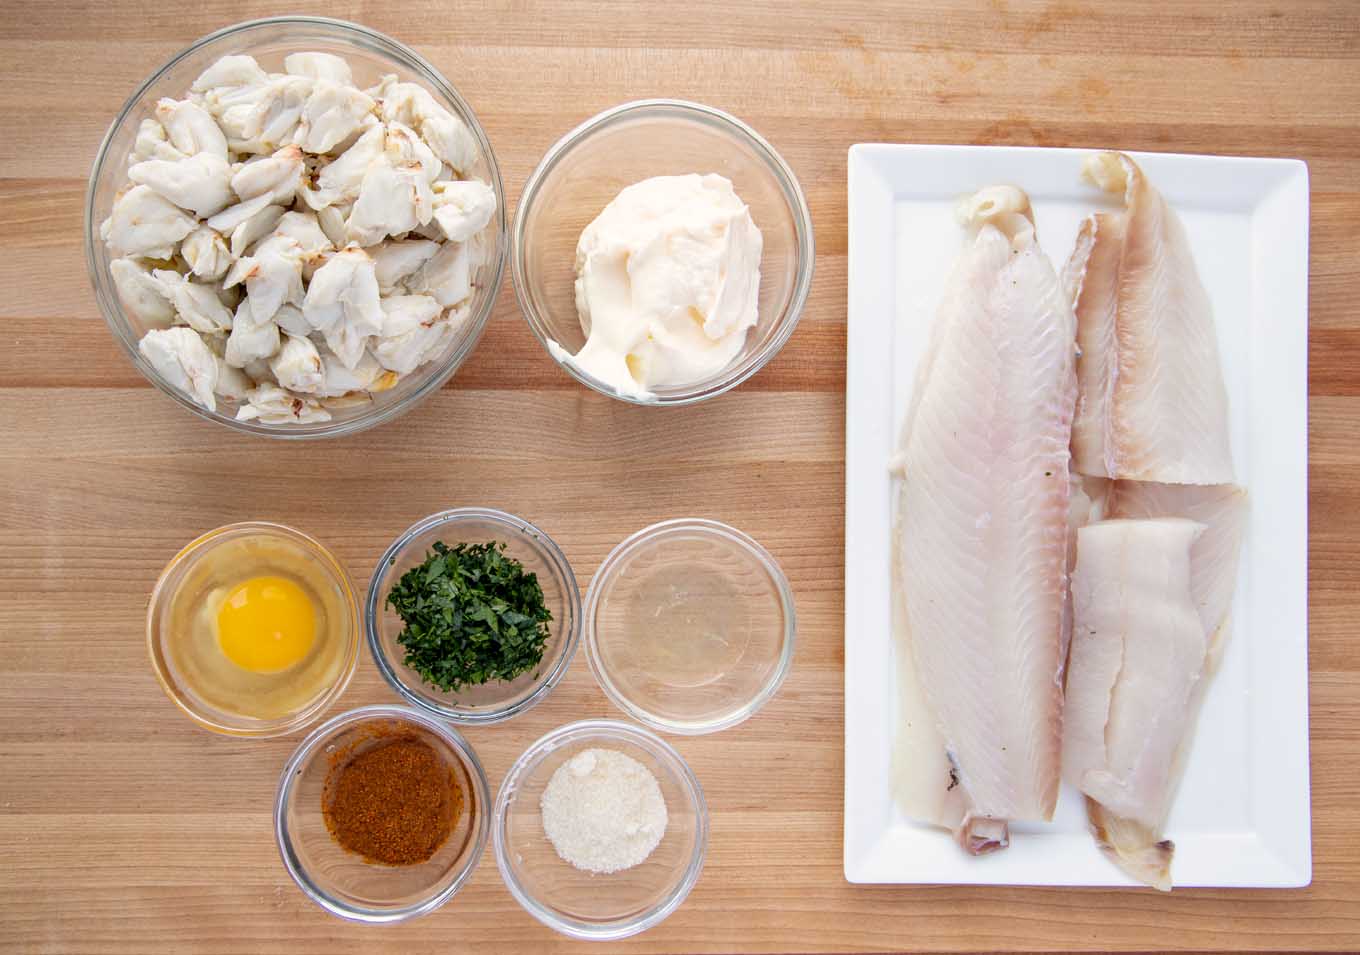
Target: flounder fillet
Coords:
[(1222, 509), (1138, 665), (982, 529), (1151, 403)]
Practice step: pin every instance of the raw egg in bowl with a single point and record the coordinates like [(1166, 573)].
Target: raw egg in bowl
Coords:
[(253, 630)]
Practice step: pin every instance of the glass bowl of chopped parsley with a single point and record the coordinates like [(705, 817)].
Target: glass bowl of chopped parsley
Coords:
[(473, 614)]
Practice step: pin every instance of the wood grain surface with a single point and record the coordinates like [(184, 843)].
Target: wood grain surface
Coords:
[(123, 828)]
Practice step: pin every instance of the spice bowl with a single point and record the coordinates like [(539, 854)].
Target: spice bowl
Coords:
[(690, 626), (581, 904), (341, 881), (588, 167), (494, 700)]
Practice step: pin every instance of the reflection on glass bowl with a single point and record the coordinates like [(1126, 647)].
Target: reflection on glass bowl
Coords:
[(689, 626)]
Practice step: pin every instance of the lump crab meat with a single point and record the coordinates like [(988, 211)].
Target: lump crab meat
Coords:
[(463, 208), (145, 224), (141, 294), (413, 106), (270, 404), (199, 183), (190, 129), (343, 303), (277, 176), (297, 365), (273, 276), (297, 243), (180, 357), (250, 340), (206, 253), (196, 304), (395, 259)]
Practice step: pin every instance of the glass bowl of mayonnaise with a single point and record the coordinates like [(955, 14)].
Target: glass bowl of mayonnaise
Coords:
[(662, 252)]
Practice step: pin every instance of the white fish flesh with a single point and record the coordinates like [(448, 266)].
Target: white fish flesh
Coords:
[(1135, 678), (983, 523), (1222, 509), (1152, 405)]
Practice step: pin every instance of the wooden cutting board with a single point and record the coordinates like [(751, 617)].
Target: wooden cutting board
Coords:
[(123, 828)]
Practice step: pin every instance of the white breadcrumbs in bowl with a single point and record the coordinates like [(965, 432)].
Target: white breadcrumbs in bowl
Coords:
[(572, 866), (603, 811)]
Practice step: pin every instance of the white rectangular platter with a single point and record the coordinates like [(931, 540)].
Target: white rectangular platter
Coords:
[(1241, 817)]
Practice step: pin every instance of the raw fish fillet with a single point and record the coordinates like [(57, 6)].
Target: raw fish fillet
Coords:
[(1138, 850), (1222, 508), (1135, 679), (982, 530), (922, 778), (1151, 403)]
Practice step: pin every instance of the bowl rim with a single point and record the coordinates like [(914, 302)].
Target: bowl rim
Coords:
[(326, 731), (601, 729), (215, 537), (793, 195), (604, 579), (548, 549), (106, 297)]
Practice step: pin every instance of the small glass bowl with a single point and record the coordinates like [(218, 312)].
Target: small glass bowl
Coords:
[(493, 701), (160, 632), (341, 882), (689, 626), (370, 55), (590, 165), (581, 904)]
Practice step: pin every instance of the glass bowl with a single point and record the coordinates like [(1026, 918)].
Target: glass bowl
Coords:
[(581, 904), (340, 881), (497, 700), (689, 626), (370, 55), (326, 576), (590, 165)]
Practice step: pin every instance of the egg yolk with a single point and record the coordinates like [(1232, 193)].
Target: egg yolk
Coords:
[(266, 624)]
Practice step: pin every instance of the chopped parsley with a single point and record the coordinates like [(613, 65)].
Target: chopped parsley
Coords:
[(471, 614)]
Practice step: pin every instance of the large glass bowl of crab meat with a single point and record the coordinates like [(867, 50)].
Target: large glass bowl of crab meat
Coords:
[(296, 227)]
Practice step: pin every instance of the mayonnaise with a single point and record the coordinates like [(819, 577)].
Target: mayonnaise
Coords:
[(667, 279)]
